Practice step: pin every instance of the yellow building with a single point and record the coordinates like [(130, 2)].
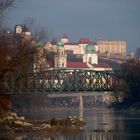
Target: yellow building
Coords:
[(112, 48)]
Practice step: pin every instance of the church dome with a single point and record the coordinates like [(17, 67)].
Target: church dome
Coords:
[(90, 49), (60, 44)]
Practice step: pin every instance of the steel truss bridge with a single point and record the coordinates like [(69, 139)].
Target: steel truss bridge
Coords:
[(63, 80)]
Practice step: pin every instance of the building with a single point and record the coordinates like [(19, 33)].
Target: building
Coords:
[(84, 53), (88, 66), (109, 48), (23, 31), (90, 55), (77, 48), (89, 60), (112, 48), (60, 58)]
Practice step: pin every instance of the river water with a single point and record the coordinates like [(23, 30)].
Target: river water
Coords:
[(117, 125)]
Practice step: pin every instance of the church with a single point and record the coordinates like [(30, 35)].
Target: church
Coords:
[(89, 59), (70, 55)]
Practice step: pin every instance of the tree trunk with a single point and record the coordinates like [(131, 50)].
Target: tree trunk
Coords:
[(5, 100), (2, 90)]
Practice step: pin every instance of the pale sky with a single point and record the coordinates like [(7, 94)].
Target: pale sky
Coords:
[(96, 19)]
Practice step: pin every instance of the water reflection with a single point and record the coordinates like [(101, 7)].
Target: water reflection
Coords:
[(101, 124), (84, 136)]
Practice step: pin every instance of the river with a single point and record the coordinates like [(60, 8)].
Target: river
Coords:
[(116, 124)]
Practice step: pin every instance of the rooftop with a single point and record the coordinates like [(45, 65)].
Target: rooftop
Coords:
[(77, 65), (64, 36), (84, 41)]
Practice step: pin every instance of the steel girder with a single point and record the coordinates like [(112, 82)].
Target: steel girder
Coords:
[(63, 80)]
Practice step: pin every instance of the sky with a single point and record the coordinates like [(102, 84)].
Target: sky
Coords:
[(95, 19)]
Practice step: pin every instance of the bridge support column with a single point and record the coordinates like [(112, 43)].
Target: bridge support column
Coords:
[(81, 107)]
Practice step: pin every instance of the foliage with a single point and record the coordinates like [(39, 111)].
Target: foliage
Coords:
[(39, 33), (132, 79)]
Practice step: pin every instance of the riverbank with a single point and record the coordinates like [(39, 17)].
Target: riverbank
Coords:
[(11, 122)]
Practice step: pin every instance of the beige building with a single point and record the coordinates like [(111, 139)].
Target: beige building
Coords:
[(60, 59), (23, 31), (112, 48), (75, 47), (109, 48)]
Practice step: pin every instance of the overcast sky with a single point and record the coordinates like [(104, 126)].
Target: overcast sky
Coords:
[(96, 19)]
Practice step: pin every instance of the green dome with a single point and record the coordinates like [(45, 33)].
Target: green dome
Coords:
[(60, 43), (39, 44), (90, 49)]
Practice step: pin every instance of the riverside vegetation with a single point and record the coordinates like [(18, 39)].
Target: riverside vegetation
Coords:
[(130, 87)]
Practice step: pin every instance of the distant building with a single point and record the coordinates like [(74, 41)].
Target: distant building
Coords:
[(88, 66), (84, 53), (90, 55), (18, 29), (89, 59), (112, 48), (77, 48), (109, 48), (23, 31), (60, 58)]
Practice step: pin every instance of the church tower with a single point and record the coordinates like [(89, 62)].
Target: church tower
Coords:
[(60, 58), (90, 55)]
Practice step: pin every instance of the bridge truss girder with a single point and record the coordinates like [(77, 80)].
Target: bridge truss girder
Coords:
[(63, 80)]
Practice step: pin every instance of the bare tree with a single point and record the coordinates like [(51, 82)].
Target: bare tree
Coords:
[(39, 33), (16, 55), (5, 4), (4, 100)]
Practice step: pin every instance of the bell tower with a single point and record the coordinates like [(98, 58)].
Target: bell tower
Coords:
[(90, 55), (60, 58)]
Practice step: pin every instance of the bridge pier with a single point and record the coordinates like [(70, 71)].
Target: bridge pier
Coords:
[(81, 107)]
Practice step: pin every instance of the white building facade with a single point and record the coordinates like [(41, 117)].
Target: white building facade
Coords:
[(60, 59), (90, 55)]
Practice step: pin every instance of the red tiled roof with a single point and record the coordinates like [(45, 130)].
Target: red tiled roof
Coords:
[(77, 65), (64, 36), (94, 43), (71, 43), (101, 65), (53, 43), (84, 40)]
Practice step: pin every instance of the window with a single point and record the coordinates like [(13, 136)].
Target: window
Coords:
[(90, 59)]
